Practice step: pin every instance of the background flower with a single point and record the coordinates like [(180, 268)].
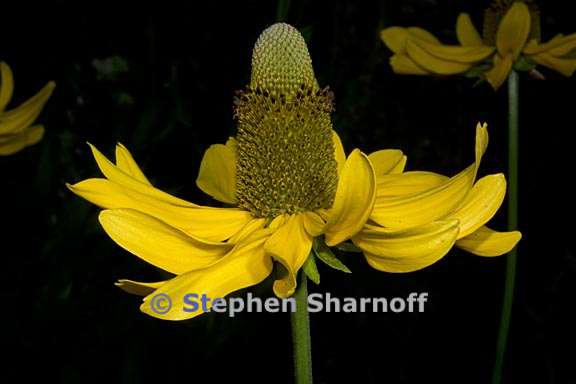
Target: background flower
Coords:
[(511, 39), (16, 129)]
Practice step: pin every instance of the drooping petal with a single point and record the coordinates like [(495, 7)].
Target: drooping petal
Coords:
[(404, 65), (500, 71), (566, 67), (246, 232), (395, 38), (434, 64), (406, 250), (387, 161), (422, 35), (405, 211), (339, 153), (137, 287), (313, 223), (21, 117), (557, 46), (407, 183), (487, 242), (481, 204), (122, 178), (6, 85), (513, 31), (243, 267), (126, 163), (292, 257), (215, 224), (456, 53), (467, 34), (10, 144), (158, 243), (354, 199), (217, 175)]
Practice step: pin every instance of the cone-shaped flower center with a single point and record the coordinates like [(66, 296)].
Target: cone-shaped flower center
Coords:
[(494, 14), (286, 158)]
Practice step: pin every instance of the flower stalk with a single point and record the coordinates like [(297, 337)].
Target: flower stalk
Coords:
[(301, 339), (513, 102)]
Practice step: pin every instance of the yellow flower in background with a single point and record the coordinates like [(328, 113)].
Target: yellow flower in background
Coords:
[(511, 39), (418, 216), (16, 129), (284, 173)]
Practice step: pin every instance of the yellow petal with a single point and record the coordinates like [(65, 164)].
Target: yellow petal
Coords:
[(395, 38), (387, 161), (6, 85), (21, 117), (500, 71), (567, 67), (557, 46), (432, 63), (456, 53), (248, 230), (241, 268), (313, 223), (117, 175), (405, 211), (406, 250), (513, 30), (126, 163), (422, 35), (215, 224), (467, 34), (487, 242), (159, 244), (404, 65), (137, 287), (481, 204), (339, 153), (292, 257), (407, 183), (354, 199), (10, 144), (217, 175)]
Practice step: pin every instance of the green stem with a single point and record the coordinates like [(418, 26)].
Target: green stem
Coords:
[(513, 96), (301, 334)]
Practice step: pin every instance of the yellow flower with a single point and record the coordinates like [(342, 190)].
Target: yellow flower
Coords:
[(16, 129), (418, 216), (285, 173), (511, 38)]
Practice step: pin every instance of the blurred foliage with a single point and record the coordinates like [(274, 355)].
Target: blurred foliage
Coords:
[(160, 79)]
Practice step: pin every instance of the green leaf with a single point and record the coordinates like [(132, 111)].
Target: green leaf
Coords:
[(478, 70), (311, 270), (327, 257), (348, 247), (524, 64)]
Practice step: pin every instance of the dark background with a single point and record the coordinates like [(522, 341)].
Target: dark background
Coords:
[(170, 98)]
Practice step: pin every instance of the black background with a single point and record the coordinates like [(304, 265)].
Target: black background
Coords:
[(64, 321)]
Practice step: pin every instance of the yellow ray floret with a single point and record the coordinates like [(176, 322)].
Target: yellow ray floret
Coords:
[(16, 126)]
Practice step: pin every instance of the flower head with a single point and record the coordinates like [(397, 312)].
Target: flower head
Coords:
[(285, 172), (16, 129), (510, 39)]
